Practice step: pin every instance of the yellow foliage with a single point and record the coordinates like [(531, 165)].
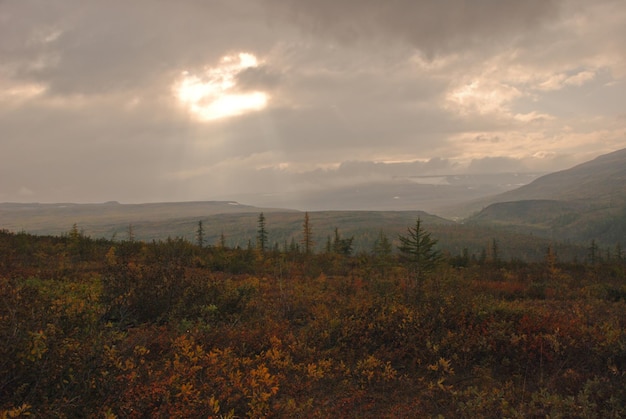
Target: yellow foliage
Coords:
[(442, 365), (111, 259), (15, 412)]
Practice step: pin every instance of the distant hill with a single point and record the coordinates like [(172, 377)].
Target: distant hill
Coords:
[(433, 194), (108, 218), (583, 203), (238, 224), (602, 180)]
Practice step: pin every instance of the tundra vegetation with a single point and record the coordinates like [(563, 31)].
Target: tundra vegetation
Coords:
[(130, 329)]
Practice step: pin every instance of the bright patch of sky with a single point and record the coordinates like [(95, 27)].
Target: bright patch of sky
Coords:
[(212, 93)]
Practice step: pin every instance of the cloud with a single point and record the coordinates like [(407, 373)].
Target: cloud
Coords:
[(559, 81), (118, 100), (260, 77), (101, 47), (496, 165), (482, 97), (215, 93), (432, 27)]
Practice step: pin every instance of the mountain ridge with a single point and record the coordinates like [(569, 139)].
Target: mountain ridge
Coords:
[(585, 202)]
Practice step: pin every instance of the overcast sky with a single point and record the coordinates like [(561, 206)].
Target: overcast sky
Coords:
[(161, 100)]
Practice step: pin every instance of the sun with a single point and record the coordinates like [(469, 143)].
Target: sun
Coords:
[(212, 94)]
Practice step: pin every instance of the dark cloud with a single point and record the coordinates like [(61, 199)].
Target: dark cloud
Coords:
[(431, 26), (99, 47)]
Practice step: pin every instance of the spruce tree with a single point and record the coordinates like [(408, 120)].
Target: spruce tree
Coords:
[(342, 246), (200, 234), (417, 250), (261, 238), (307, 236), (382, 246)]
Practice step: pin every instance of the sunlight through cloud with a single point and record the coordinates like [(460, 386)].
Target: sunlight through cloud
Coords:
[(482, 97), (213, 94)]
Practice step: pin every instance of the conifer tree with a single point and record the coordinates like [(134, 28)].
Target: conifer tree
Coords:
[(131, 233), (619, 253), (593, 252), (200, 234), (74, 233), (307, 236), (342, 246), (418, 250), (261, 238), (495, 252), (382, 246), (293, 246)]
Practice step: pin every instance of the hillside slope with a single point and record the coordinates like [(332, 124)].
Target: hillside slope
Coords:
[(586, 202), (602, 180), (100, 219)]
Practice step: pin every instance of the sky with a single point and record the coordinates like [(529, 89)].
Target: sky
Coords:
[(160, 100)]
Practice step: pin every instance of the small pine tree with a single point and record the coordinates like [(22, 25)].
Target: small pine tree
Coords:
[(495, 252), (293, 247), (593, 252), (417, 250), (551, 260), (307, 236), (382, 246), (261, 238), (342, 246), (200, 234), (74, 233)]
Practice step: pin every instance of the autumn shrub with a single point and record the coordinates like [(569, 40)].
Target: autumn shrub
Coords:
[(51, 345), (155, 330)]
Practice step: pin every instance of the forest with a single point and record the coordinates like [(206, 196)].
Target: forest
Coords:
[(101, 328)]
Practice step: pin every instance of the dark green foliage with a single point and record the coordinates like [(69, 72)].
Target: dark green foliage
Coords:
[(461, 261), (261, 234), (418, 250), (382, 246), (200, 234), (307, 235), (342, 246), (593, 253)]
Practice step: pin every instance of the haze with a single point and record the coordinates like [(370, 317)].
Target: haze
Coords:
[(152, 101)]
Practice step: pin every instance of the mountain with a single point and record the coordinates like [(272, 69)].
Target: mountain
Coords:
[(602, 180), (586, 202)]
